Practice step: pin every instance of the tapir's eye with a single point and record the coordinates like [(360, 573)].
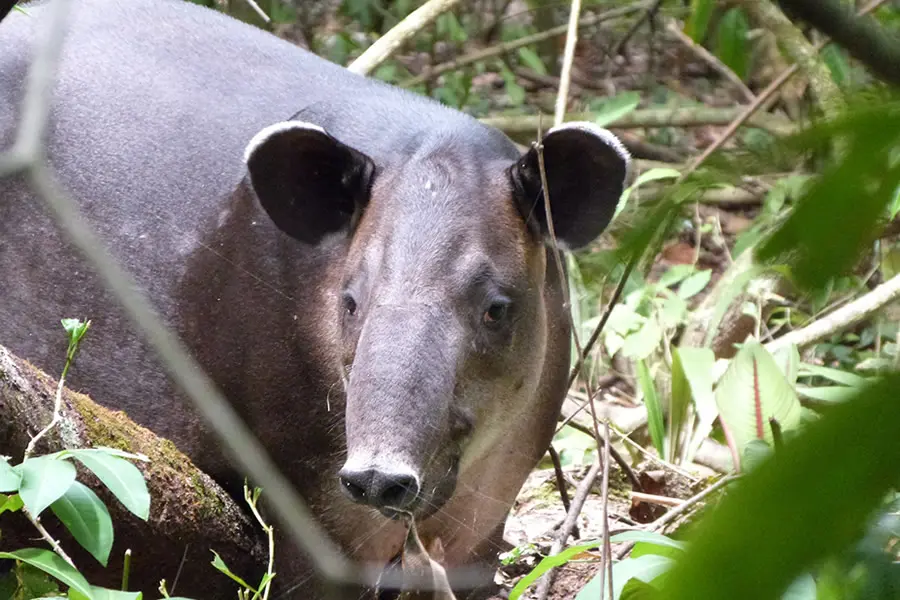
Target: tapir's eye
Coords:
[(496, 314), (349, 304)]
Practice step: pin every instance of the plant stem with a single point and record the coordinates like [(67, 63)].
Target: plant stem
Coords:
[(36, 521)]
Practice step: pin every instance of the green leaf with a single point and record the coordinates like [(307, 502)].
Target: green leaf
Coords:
[(641, 344), (826, 393), (122, 478), (731, 42), (654, 408), (9, 478), (50, 563), (515, 91), (636, 589), (788, 360), (803, 588), (675, 274), (532, 60), (644, 568), (834, 474), (612, 109), (694, 284), (698, 22), (10, 503), (679, 403), (44, 481), (752, 391), (697, 364), (647, 537), (219, 564), (835, 375), (550, 562), (87, 519), (836, 61), (100, 593)]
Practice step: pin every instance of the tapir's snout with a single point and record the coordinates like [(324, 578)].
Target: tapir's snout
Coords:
[(382, 488)]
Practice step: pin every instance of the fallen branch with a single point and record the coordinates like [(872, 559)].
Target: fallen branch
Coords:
[(506, 47), (847, 316), (862, 36), (711, 59), (188, 511), (394, 39), (653, 117)]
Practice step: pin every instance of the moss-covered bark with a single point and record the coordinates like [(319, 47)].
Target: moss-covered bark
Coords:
[(189, 513)]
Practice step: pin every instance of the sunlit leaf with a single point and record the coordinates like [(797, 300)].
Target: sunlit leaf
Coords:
[(10, 503), (852, 448), (697, 364), (613, 109), (751, 392), (644, 341), (107, 594), (694, 284)]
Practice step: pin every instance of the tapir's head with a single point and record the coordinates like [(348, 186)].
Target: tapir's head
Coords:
[(441, 304)]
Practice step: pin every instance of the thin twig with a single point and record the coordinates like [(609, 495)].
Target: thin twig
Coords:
[(402, 32), (262, 15), (655, 499), (562, 97), (711, 59), (649, 14), (36, 521), (560, 477), (581, 494), (507, 47)]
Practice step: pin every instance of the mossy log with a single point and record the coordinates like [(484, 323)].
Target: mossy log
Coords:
[(189, 513)]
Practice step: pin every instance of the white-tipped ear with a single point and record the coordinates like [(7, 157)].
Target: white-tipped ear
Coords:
[(308, 182), (587, 168), (259, 139), (607, 136)]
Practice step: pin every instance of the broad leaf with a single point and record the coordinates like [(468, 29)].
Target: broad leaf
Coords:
[(107, 594), (9, 478), (835, 375), (679, 404), (644, 568), (697, 364), (10, 503), (644, 341), (532, 60), (44, 481), (694, 284), (613, 109), (87, 518), (731, 42), (122, 478), (550, 562), (698, 22), (852, 448), (50, 563), (751, 392)]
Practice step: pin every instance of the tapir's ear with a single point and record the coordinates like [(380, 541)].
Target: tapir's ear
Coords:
[(586, 169), (310, 183)]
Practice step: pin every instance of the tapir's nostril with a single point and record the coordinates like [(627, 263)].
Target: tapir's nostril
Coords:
[(379, 488)]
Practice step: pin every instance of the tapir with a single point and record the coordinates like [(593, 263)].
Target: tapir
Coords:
[(367, 275)]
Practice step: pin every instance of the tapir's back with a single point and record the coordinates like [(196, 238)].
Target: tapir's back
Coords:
[(154, 103)]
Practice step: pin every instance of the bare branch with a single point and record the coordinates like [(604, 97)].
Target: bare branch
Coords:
[(393, 40), (848, 315), (711, 59), (568, 57)]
